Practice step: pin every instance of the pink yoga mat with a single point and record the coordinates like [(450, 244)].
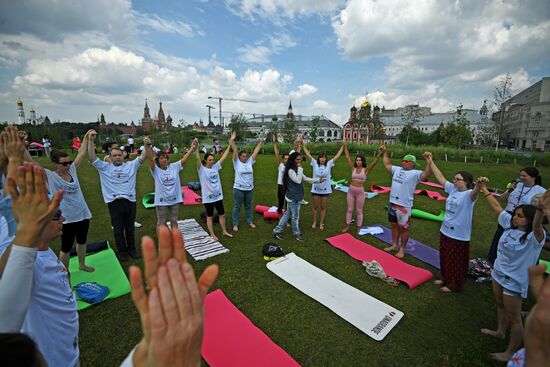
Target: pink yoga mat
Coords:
[(190, 197), (379, 189), (231, 339), (432, 184), (393, 267), (260, 209), (431, 194)]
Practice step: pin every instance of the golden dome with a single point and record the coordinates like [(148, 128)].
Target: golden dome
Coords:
[(365, 104), (19, 102), (32, 110)]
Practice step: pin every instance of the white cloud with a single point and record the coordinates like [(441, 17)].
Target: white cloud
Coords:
[(279, 11), (321, 104), (160, 24), (261, 51), (303, 91)]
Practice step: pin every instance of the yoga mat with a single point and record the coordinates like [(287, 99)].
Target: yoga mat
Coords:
[(148, 200), (393, 267), (190, 197), (260, 209), (371, 316), (231, 339), (345, 189), (338, 182), (198, 242), (272, 215), (379, 189), (107, 272), (431, 194), (547, 265), (92, 247), (414, 248), (432, 184), (417, 213)]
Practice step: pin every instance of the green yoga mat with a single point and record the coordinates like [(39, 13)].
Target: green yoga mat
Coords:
[(107, 272), (417, 213), (148, 200), (547, 265), (339, 182)]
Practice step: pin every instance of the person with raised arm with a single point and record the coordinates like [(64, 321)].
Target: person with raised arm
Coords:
[(168, 192), (211, 188), (280, 173), (519, 248), (356, 192), (456, 229), (118, 185), (404, 181), (243, 187)]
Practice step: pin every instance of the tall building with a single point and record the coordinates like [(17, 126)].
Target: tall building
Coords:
[(526, 118), (20, 112), (32, 116), (159, 122)]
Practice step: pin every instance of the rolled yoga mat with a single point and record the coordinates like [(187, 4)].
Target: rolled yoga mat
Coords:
[(148, 200), (414, 248), (339, 182), (231, 339), (417, 213), (393, 267), (260, 209), (107, 272), (373, 317)]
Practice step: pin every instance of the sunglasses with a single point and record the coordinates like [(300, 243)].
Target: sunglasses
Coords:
[(56, 216), (66, 164)]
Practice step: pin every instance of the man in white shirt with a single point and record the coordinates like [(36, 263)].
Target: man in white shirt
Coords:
[(118, 185), (404, 181), (131, 143)]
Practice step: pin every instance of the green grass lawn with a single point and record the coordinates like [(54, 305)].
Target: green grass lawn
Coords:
[(437, 329)]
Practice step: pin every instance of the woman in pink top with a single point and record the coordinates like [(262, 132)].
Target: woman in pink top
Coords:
[(356, 192)]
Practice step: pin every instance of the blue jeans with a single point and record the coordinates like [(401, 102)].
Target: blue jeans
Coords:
[(240, 197), (292, 213)]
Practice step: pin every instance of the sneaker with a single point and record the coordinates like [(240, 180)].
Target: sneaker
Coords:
[(134, 255), (300, 238), (122, 256), (277, 236), (304, 202), (137, 224)]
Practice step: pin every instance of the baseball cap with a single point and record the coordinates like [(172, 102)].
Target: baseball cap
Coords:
[(411, 158)]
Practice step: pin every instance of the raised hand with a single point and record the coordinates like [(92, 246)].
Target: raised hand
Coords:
[(92, 134), (13, 145), (146, 140), (233, 135), (427, 156)]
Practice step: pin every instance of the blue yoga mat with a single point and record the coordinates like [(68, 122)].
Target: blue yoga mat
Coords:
[(414, 248)]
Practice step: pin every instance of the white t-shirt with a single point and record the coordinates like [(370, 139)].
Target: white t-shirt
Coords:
[(130, 141), (515, 257), (167, 184), (118, 182), (280, 173), (522, 195), (52, 319), (73, 205), (322, 171), (459, 210), (403, 184), (244, 174), (211, 186)]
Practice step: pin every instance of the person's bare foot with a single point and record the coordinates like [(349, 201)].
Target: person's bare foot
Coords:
[(321, 226), (345, 229), (227, 234), (438, 282), (400, 254), (358, 230), (214, 237), (87, 268), (235, 228), (288, 225), (502, 357), (314, 225), (390, 248), (445, 289), (493, 333), (252, 225)]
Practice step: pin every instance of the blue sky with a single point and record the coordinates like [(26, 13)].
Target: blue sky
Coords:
[(73, 60)]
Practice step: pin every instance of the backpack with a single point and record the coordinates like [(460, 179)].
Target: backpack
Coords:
[(271, 251), (91, 292), (194, 185), (479, 268)]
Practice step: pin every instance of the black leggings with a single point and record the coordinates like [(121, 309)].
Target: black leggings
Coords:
[(281, 198), (210, 208), (78, 230)]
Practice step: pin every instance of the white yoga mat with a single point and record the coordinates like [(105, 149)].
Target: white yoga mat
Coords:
[(371, 316), (198, 243)]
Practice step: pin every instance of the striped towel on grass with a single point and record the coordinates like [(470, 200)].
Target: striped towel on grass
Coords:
[(198, 242)]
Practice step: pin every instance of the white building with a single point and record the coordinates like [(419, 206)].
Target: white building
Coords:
[(20, 112)]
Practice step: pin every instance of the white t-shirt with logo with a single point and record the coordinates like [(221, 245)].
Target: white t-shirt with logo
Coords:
[(167, 184), (118, 182), (280, 173), (522, 195), (73, 205), (322, 171), (52, 319), (459, 210), (244, 174), (403, 184), (211, 187)]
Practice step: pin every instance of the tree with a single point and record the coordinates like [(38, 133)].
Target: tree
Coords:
[(410, 119), (238, 124), (290, 130), (314, 132), (501, 93)]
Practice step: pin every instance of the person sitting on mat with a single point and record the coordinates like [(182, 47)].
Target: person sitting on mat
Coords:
[(293, 181), (519, 247), (404, 181), (519, 193), (456, 229), (168, 192), (356, 192), (322, 167), (118, 185), (243, 187), (280, 174), (75, 210), (211, 188)]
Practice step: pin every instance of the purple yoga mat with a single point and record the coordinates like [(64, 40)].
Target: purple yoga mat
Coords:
[(414, 248)]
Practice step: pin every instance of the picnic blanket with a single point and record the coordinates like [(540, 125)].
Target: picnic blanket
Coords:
[(198, 243)]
